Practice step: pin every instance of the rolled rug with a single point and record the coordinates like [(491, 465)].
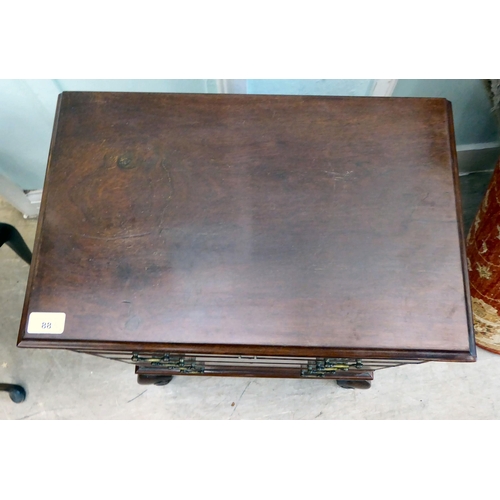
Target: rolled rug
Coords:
[(483, 263)]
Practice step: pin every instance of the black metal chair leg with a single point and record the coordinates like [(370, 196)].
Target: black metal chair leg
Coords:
[(16, 392), (11, 237)]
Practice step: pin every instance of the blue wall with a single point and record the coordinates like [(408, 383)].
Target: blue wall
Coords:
[(192, 86), (310, 87)]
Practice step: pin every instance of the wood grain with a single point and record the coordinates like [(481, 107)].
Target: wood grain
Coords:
[(268, 222)]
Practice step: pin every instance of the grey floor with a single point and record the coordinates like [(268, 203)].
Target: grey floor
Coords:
[(66, 385)]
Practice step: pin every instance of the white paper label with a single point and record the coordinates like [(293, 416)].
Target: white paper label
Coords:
[(50, 323)]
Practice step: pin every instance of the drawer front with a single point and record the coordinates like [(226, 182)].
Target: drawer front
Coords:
[(257, 366), (264, 366), (250, 371), (123, 356)]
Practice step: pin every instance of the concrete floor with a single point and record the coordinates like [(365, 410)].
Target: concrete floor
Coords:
[(67, 385)]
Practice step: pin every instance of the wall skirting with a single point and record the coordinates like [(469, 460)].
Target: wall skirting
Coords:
[(14, 195), (383, 88), (231, 86), (477, 157)]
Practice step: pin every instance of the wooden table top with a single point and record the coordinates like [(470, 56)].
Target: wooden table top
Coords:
[(272, 224)]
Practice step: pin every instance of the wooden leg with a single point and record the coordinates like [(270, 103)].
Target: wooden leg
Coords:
[(154, 379), (16, 392), (354, 384)]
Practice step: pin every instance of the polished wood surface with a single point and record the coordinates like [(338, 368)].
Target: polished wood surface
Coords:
[(267, 224)]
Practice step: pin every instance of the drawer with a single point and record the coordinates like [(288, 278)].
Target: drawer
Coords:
[(264, 366), (304, 367)]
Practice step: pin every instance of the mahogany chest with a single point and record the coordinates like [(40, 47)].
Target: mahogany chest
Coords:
[(247, 235)]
